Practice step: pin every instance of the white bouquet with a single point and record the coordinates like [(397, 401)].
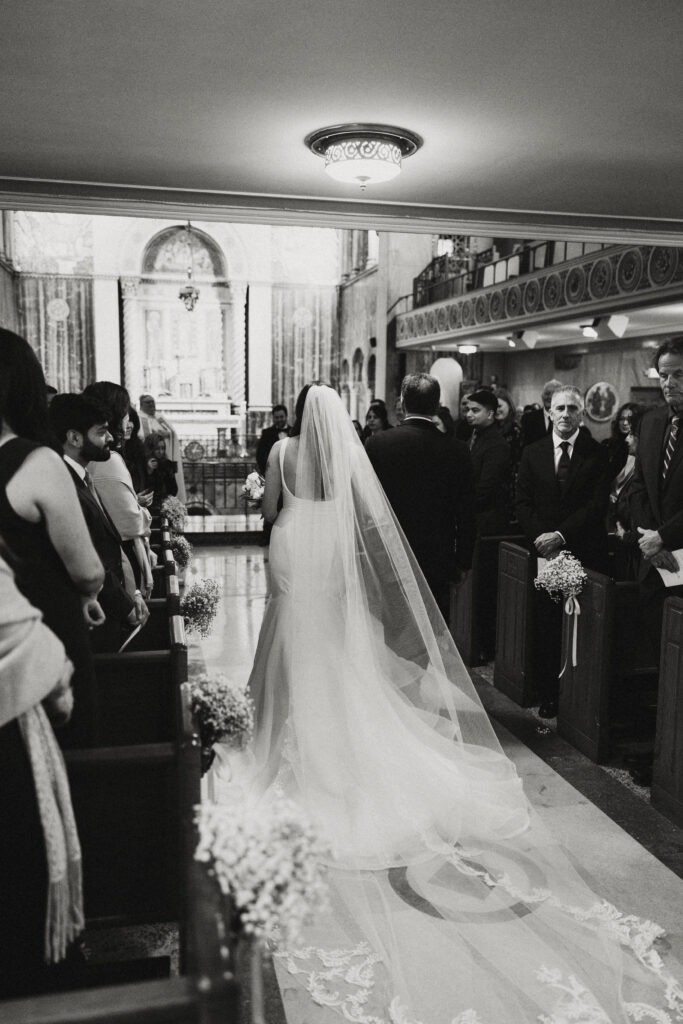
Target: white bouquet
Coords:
[(269, 861), (199, 606), (253, 489), (181, 550), (223, 711), (175, 512), (563, 577)]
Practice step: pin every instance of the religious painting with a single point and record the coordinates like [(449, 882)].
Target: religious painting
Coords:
[(602, 401)]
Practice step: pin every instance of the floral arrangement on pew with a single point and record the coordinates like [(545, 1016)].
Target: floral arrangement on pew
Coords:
[(253, 489), (269, 864), (199, 606), (181, 550), (563, 578), (175, 512), (224, 713)]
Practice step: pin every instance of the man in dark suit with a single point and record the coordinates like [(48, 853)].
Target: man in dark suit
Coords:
[(270, 435), (536, 423), (427, 477), (268, 438), (562, 499), (657, 491), (80, 425), (491, 462)]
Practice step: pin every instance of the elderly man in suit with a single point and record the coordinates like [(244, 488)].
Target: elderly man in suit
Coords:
[(562, 499), (657, 491), (536, 423), (427, 477), (80, 425)]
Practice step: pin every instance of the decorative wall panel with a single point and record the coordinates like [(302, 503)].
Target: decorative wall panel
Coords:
[(56, 318)]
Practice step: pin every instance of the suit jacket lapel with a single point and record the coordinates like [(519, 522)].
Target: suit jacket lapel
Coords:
[(100, 510)]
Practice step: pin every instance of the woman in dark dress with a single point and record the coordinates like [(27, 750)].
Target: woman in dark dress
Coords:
[(57, 568), (160, 474)]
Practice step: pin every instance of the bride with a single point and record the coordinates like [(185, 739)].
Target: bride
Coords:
[(451, 904)]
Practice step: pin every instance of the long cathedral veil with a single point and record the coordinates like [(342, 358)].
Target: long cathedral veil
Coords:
[(451, 904)]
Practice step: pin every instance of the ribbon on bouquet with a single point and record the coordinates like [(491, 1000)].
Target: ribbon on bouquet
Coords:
[(573, 608)]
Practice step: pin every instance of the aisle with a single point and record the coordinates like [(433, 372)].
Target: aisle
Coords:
[(612, 861)]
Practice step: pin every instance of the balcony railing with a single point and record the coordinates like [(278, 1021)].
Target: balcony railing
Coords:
[(447, 277)]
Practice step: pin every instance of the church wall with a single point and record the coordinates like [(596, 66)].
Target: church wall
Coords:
[(621, 364)]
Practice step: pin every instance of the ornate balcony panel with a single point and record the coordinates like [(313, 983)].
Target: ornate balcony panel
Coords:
[(619, 277)]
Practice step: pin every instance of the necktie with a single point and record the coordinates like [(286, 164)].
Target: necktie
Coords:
[(563, 465), (670, 445), (91, 487), (473, 438)]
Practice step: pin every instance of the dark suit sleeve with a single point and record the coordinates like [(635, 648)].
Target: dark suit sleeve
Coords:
[(525, 506), (466, 525)]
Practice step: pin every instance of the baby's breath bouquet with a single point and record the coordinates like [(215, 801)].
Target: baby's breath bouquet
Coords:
[(253, 489), (182, 551), (269, 861), (199, 606), (563, 577), (223, 711), (175, 512)]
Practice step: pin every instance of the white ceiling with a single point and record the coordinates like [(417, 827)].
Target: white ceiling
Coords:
[(540, 117)]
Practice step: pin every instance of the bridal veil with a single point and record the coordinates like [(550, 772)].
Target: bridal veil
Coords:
[(451, 903)]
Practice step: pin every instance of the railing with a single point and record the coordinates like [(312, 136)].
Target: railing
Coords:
[(223, 444), (447, 277)]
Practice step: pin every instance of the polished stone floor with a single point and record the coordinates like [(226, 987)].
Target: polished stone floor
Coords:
[(625, 849)]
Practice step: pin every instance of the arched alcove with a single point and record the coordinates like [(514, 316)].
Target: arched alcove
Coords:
[(194, 359)]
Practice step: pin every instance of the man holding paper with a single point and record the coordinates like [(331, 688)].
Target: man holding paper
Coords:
[(657, 502)]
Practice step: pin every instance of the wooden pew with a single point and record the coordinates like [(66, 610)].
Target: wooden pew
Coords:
[(611, 669), (513, 673), (467, 597), (116, 882), (134, 694), (667, 768)]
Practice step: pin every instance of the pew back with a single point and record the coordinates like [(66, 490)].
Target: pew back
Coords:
[(667, 768), (514, 668)]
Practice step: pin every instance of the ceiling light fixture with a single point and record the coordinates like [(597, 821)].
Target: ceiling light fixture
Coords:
[(365, 154), (188, 293), (467, 350)]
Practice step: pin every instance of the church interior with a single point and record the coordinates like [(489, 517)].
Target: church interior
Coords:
[(167, 223)]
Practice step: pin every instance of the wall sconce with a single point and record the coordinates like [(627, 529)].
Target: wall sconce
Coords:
[(613, 326)]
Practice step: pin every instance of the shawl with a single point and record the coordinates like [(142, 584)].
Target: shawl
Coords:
[(33, 664)]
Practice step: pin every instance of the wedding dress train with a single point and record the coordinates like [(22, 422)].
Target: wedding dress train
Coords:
[(451, 903)]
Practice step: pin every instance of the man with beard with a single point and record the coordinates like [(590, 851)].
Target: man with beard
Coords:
[(80, 425)]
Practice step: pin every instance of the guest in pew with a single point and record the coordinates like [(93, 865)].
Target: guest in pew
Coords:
[(616, 444), (657, 492), (41, 911), (620, 515), (160, 476), (133, 453), (80, 425), (115, 488), (562, 499), (57, 567), (537, 423), (376, 420), (492, 465)]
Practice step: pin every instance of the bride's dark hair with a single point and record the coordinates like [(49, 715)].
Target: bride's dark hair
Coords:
[(301, 402)]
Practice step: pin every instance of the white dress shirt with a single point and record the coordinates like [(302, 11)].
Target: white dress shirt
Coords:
[(557, 441)]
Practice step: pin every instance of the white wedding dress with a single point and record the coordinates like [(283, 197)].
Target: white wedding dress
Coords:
[(451, 904)]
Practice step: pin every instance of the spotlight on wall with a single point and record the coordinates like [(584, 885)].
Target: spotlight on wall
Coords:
[(467, 350), (514, 339), (590, 330)]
